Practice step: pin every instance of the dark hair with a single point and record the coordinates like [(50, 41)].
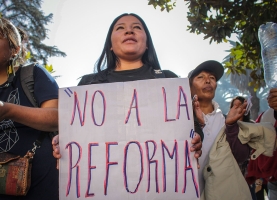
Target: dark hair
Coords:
[(16, 37), (109, 60), (246, 118)]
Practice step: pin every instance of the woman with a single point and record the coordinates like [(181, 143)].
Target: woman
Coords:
[(203, 83), (21, 123), (128, 55)]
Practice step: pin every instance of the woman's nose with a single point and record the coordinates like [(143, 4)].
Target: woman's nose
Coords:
[(207, 80), (129, 31)]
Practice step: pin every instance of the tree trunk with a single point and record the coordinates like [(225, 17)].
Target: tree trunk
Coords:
[(256, 104)]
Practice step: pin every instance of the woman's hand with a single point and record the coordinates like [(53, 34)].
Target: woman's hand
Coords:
[(196, 147), (56, 149)]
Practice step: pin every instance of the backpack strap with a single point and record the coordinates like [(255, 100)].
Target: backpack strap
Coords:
[(27, 82)]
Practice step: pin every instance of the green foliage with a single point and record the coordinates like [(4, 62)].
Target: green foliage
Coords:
[(217, 20), (239, 61), (27, 14), (163, 4)]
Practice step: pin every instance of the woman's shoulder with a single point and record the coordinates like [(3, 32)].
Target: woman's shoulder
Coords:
[(93, 78), (33, 68), (170, 74), (87, 78)]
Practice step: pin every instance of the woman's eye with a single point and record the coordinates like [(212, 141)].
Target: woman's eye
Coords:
[(212, 77), (137, 27), (119, 27)]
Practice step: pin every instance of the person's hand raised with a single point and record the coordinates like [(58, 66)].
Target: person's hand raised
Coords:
[(272, 99), (235, 113)]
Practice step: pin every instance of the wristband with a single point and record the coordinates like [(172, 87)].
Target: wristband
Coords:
[(1, 103)]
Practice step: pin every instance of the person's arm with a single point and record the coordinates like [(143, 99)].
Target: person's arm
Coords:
[(44, 118), (240, 151), (199, 122)]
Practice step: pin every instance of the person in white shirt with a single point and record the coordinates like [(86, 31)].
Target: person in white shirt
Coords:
[(203, 83)]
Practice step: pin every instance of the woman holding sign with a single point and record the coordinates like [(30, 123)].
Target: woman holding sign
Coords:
[(128, 55)]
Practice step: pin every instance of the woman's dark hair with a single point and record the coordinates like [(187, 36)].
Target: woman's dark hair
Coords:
[(246, 118), (109, 60), (17, 39)]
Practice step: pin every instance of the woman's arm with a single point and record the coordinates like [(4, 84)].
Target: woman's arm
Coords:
[(44, 118)]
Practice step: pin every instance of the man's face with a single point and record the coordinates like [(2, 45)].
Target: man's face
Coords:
[(204, 85)]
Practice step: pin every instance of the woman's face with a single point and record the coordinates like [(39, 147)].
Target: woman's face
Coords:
[(5, 52), (204, 85), (128, 39)]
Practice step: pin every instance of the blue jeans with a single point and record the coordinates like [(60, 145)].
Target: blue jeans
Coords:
[(272, 190)]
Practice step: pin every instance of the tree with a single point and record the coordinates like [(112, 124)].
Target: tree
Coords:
[(217, 20), (241, 81), (27, 14)]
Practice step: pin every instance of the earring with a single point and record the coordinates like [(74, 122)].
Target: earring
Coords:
[(10, 69)]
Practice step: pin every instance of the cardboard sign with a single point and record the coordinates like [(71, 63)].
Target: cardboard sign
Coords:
[(127, 141)]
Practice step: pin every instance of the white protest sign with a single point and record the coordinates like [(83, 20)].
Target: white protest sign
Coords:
[(127, 141)]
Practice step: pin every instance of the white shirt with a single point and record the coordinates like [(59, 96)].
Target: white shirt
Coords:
[(214, 122)]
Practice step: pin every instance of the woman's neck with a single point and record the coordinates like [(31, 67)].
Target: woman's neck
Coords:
[(128, 65), (206, 106)]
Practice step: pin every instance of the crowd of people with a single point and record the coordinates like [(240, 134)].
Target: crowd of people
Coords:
[(128, 55)]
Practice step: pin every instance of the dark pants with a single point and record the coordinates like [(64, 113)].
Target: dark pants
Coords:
[(260, 194)]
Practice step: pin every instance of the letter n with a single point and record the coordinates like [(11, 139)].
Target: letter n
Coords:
[(77, 105)]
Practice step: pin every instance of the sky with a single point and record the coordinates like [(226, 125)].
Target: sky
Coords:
[(80, 27)]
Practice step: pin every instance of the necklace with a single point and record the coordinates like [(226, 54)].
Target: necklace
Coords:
[(5, 85)]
